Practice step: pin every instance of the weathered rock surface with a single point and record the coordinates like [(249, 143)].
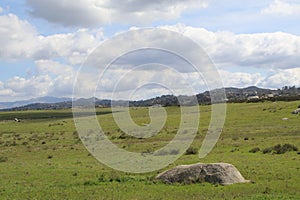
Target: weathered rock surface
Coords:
[(217, 173)]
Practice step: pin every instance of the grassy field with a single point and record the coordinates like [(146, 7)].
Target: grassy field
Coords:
[(42, 157)]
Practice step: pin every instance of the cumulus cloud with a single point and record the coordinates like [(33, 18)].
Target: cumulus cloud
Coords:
[(49, 79), (283, 7), (263, 50), (20, 40), (87, 13), (62, 77), (279, 78), (5, 92), (16, 37), (150, 50), (123, 84), (241, 79), (34, 86), (274, 79), (52, 67)]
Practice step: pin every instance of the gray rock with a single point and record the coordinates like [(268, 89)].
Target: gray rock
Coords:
[(217, 173), (297, 111)]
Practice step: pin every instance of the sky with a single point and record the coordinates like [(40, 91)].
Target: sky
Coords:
[(45, 44)]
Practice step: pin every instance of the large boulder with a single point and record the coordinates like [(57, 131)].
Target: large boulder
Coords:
[(217, 173)]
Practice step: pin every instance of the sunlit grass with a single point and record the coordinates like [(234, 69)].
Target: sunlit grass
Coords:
[(43, 157)]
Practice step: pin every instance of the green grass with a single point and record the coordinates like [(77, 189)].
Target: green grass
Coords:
[(43, 158)]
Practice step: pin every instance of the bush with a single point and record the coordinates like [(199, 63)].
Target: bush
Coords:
[(278, 149), (3, 159), (285, 148), (174, 152), (281, 149), (161, 153), (267, 150), (291, 147), (254, 150), (123, 136), (165, 152), (191, 151), (101, 178), (89, 183)]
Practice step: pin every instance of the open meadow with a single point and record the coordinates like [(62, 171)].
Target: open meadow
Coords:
[(42, 157)]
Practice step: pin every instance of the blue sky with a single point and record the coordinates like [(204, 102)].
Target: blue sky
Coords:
[(45, 42)]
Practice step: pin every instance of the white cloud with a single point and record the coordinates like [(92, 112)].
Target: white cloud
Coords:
[(34, 86), (16, 37), (263, 50), (240, 79), (87, 13), (282, 7), (280, 78), (132, 85), (1, 10), (275, 79), (20, 40), (50, 79), (123, 83), (62, 77), (52, 67), (5, 92)]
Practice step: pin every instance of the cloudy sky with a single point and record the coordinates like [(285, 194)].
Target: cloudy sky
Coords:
[(44, 43)]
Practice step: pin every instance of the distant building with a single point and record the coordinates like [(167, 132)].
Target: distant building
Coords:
[(253, 98)]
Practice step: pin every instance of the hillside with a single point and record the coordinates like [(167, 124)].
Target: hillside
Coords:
[(249, 94), (44, 100)]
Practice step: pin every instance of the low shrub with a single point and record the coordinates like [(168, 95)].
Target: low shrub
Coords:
[(191, 151), (89, 183), (281, 149), (3, 159), (123, 136), (278, 149), (255, 150), (161, 153), (174, 152), (267, 150), (165, 152), (285, 148)]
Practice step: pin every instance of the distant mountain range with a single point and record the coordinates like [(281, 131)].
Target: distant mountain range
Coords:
[(47, 99), (249, 94)]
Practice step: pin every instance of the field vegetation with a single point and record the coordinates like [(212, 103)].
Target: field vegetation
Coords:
[(42, 156)]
